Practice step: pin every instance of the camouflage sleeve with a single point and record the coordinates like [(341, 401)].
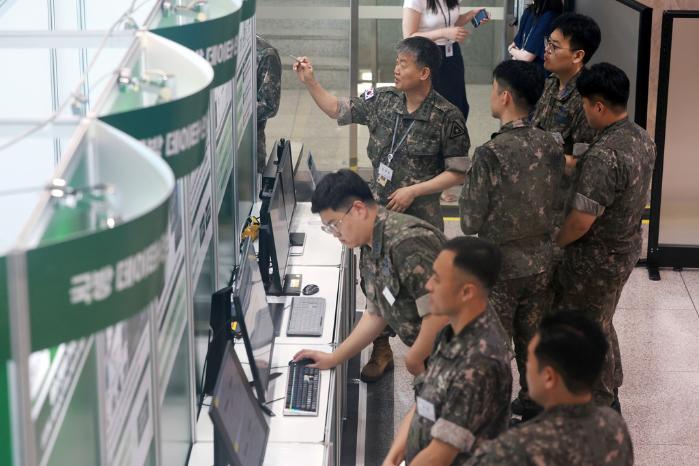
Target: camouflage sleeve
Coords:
[(474, 203), (468, 407), (415, 257), (269, 86), (356, 109), (596, 184), (455, 142), (372, 308), (498, 452)]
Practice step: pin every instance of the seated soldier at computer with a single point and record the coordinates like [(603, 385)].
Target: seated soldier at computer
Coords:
[(396, 262)]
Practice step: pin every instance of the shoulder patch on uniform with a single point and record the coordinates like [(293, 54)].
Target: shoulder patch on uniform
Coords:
[(369, 93), (457, 130)]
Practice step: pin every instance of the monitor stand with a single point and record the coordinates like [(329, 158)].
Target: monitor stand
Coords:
[(277, 311), (292, 284), (266, 409), (297, 239), (291, 287), (263, 406), (297, 242)]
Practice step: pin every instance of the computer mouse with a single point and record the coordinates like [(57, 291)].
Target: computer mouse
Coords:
[(310, 289), (303, 362)]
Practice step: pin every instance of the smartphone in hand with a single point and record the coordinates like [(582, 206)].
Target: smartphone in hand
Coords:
[(478, 19)]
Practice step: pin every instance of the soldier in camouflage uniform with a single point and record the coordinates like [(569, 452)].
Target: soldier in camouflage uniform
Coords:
[(564, 359), (464, 395), (601, 236), (572, 43), (413, 131), (418, 145), (269, 89), (397, 255), (508, 199)]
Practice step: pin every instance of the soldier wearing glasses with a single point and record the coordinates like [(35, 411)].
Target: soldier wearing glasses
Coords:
[(398, 251), (570, 46)]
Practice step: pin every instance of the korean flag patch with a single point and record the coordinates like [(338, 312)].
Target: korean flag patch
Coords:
[(369, 93)]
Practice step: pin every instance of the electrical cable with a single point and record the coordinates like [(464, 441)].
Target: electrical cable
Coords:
[(76, 94)]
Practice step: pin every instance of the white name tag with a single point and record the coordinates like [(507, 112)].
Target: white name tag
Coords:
[(388, 295), (385, 171), (426, 409), (449, 49), (579, 148)]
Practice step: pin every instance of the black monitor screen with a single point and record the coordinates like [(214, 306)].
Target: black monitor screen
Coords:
[(287, 174), (280, 231), (219, 322), (240, 428), (254, 317)]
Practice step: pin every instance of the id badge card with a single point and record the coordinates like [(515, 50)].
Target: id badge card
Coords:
[(389, 296), (425, 409), (449, 49), (385, 174)]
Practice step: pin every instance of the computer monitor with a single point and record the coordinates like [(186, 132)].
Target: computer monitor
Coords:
[(252, 314), (240, 429), (313, 168), (269, 173), (220, 328), (286, 170)]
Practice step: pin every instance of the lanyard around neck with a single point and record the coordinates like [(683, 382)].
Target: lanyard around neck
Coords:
[(447, 23), (395, 148)]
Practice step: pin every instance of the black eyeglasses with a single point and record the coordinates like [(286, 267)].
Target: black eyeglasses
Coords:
[(333, 228), (554, 48)]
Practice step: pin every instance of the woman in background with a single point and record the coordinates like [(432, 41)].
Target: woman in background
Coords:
[(440, 21), (534, 26)]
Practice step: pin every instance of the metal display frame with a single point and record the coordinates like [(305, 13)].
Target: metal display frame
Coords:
[(662, 255), (645, 25)]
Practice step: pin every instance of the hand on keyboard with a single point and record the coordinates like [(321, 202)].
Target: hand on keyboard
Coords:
[(322, 360)]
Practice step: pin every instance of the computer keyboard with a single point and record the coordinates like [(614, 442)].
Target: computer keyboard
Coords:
[(302, 390), (306, 319)]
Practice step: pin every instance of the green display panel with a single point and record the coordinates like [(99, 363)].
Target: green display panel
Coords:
[(128, 395), (65, 403), (176, 130), (213, 38), (222, 125), (246, 104), (5, 419), (92, 286), (175, 409)]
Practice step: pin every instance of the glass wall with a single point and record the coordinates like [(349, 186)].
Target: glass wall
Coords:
[(324, 31)]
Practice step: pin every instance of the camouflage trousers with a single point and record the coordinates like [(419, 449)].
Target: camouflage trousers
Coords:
[(427, 208), (596, 295), (521, 303)]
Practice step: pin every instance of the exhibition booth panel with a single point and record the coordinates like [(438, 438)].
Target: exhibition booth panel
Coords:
[(82, 277)]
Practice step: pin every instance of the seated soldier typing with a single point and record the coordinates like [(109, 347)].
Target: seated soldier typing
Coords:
[(397, 255)]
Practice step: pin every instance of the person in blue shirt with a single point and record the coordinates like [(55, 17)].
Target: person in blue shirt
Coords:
[(534, 26)]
